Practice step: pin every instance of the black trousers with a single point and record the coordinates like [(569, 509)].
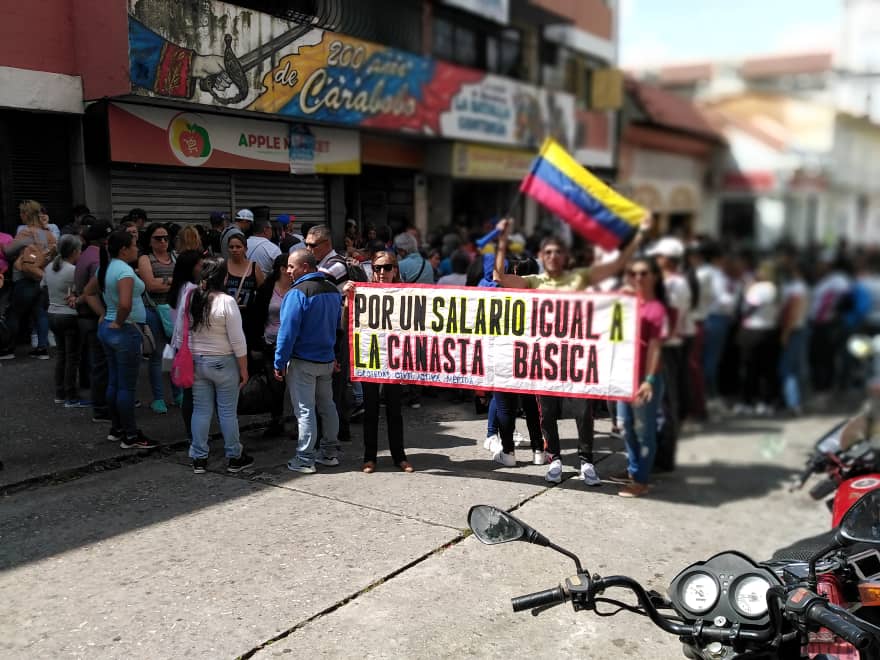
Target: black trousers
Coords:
[(65, 327), (88, 334), (550, 408), (393, 417), (760, 358), (506, 406)]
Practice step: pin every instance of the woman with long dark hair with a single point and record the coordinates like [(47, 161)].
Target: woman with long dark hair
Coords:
[(63, 322), (385, 271), (644, 277), (156, 268), (122, 292), (220, 361), (187, 271)]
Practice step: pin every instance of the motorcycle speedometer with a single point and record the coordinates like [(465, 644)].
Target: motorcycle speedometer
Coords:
[(699, 592), (750, 596)]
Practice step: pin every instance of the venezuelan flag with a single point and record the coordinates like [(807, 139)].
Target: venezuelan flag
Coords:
[(569, 190)]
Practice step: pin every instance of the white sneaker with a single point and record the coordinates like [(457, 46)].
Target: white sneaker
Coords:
[(519, 440), (507, 460), (554, 472), (589, 476), (539, 458), (491, 441)]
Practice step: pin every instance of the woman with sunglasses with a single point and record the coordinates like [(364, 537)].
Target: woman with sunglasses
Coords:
[(156, 269), (643, 276), (385, 271)]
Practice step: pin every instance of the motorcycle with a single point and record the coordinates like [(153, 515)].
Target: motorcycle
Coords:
[(726, 607)]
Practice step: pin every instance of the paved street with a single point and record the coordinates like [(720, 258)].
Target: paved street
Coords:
[(139, 558)]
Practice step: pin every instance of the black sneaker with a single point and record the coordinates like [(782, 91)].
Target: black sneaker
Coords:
[(139, 442), (101, 417), (39, 354), (116, 435), (7, 355), (200, 465), (238, 464), (357, 411)]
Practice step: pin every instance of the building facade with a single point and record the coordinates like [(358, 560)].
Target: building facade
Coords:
[(392, 113)]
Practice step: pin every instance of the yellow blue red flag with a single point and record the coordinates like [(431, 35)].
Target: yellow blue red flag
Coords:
[(591, 208)]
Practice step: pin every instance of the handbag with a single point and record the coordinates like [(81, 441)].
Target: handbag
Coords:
[(182, 368), (30, 262), (148, 341), (168, 354)]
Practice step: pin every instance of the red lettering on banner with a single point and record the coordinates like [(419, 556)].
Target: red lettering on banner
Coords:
[(423, 354), (563, 362)]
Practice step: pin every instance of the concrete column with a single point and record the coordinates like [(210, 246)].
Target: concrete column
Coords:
[(439, 201), (336, 199), (420, 204)]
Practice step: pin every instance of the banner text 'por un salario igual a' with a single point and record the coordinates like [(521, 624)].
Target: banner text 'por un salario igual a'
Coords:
[(567, 344)]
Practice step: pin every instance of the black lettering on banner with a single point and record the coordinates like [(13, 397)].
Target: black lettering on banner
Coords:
[(448, 347), (465, 330), (576, 373), (419, 309), (452, 318), (421, 353), (387, 309), (480, 318), (520, 359), (590, 334), (408, 363), (592, 375), (477, 361), (437, 323), (462, 362), (406, 313), (495, 310), (519, 317), (545, 327), (393, 359), (551, 370), (616, 323), (435, 355), (577, 322), (373, 318), (560, 319), (360, 306)]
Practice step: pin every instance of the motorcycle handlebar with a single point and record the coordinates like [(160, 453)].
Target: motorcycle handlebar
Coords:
[(553, 596), (824, 616)]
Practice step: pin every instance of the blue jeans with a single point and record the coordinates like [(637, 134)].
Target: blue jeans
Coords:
[(27, 303), (715, 328), (216, 380), (311, 391), (791, 367), (640, 433), (155, 360), (123, 350)]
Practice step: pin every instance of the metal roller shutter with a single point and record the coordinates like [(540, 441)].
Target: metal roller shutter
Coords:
[(301, 195), (170, 194)]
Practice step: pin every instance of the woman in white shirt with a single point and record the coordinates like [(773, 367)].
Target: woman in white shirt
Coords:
[(59, 280), (216, 339), (759, 342)]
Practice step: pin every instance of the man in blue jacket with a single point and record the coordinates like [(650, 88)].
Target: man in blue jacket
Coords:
[(310, 315)]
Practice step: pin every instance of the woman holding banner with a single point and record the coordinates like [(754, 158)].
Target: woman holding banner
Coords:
[(640, 415), (385, 271)]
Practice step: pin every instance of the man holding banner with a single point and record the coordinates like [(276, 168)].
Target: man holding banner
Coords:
[(600, 215), (555, 277)]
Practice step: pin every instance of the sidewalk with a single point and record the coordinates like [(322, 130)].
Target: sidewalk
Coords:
[(151, 561)]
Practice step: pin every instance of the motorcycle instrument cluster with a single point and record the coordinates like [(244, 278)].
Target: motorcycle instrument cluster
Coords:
[(729, 586)]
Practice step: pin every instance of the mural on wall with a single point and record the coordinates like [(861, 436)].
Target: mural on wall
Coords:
[(222, 55)]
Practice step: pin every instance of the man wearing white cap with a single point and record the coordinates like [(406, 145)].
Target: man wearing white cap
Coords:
[(669, 252), (241, 226)]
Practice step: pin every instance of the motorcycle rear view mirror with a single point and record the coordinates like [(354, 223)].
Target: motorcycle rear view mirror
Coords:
[(492, 526), (861, 523)]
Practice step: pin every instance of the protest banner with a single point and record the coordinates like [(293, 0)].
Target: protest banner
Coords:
[(511, 340)]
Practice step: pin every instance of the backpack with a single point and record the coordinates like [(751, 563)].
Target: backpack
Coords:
[(356, 272)]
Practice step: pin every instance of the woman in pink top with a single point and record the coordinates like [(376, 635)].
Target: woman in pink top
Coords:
[(640, 415)]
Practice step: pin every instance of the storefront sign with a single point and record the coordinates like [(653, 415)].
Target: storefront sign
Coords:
[(494, 10), (319, 150), (581, 345), (473, 161), (754, 181), (280, 67), (146, 134)]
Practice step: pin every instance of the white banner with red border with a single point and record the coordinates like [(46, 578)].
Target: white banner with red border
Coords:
[(509, 340)]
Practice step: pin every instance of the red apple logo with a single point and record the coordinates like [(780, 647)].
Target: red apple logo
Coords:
[(194, 142)]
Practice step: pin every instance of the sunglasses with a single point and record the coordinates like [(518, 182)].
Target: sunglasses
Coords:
[(161, 238), (314, 245), (638, 273), (384, 267)]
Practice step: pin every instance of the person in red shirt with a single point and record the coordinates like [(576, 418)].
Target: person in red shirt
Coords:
[(640, 415)]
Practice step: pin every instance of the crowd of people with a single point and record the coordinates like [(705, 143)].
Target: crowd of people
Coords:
[(260, 304)]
